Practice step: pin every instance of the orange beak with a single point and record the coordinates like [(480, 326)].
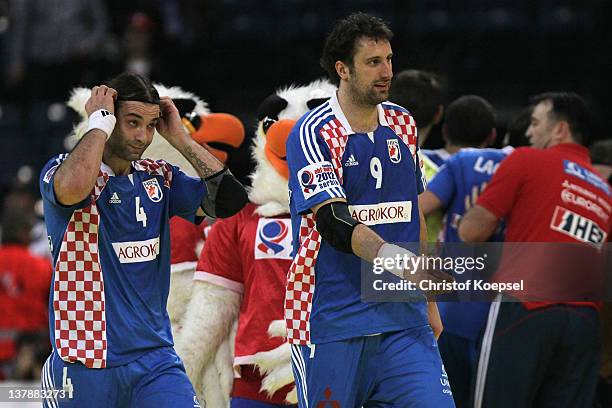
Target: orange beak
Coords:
[(276, 149), (219, 128)]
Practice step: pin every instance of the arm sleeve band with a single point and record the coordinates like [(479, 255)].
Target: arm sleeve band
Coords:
[(335, 224), (225, 196)]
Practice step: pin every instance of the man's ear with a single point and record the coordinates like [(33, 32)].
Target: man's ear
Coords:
[(342, 70), (562, 132)]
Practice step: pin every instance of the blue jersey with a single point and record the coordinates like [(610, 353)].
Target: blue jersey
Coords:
[(111, 256), (379, 176), (457, 184), (437, 156)]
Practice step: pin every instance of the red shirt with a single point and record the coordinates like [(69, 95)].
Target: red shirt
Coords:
[(185, 237), (551, 195), (25, 281), (251, 255)]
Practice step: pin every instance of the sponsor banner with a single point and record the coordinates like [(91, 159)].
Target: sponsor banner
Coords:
[(137, 251), (383, 213), (576, 226), (568, 196), (316, 178), (576, 170), (459, 272)]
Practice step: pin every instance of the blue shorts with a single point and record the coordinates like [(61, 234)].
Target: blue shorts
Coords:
[(238, 402), (156, 379), (396, 369)]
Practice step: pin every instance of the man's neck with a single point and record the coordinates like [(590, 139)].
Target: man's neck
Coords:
[(362, 118), (452, 148), (423, 133), (119, 166)]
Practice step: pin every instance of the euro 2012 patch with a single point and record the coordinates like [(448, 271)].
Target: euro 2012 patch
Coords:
[(316, 178)]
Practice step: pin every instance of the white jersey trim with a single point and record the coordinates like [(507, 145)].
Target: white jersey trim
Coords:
[(219, 281)]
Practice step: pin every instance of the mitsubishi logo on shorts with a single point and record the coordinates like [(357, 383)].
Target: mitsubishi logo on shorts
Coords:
[(328, 402)]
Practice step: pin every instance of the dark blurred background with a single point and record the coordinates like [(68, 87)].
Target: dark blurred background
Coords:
[(233, 53)]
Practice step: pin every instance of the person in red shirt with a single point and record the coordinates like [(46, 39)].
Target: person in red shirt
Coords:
[(24, 281), (544, 350)]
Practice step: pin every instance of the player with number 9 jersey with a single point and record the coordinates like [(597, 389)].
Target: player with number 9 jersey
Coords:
[(328, 160)]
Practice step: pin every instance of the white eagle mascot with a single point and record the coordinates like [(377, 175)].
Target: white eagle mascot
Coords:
[(241, 273)]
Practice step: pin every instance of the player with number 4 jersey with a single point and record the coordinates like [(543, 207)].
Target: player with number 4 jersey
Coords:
[(107, 213)]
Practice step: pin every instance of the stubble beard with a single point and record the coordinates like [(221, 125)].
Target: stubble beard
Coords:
[(118, 148), (369, 96)]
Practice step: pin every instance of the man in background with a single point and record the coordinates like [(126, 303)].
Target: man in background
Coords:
[(546, 344)]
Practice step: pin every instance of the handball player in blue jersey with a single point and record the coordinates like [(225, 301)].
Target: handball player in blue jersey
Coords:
[(106, 211), (470, 125), (354, 183)]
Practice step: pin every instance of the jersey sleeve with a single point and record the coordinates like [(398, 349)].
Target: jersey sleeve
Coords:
[(312, 177), (47, 176), (186, 194), (501, 193), (217, 263), (443, 184), (421, 181)]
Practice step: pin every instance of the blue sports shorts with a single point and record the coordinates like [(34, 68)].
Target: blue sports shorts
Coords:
[(394, 369), (156, 379)]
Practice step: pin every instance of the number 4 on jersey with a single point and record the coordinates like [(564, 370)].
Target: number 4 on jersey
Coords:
[(141, 216)]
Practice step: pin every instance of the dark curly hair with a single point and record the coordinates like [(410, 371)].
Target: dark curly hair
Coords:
[(418, 91), (469, 120), (340, 43), (133, 87)]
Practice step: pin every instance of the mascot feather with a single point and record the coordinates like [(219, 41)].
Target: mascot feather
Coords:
[(219, 133), (241, 273)]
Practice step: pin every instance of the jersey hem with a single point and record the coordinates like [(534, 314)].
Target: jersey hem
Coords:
[(371, 331)]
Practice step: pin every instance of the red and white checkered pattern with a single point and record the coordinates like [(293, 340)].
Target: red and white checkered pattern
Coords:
[(335, 137), (301, 283), (158, 167), (301, 280), (78, 289), (404, 126)]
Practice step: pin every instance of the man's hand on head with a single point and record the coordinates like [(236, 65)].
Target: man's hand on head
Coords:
[(169, 124), (102, 97)]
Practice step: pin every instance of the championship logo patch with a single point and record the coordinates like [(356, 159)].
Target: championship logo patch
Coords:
[(575, 225), (273, 239), (49, 174), (316, 178), (394, 150), (153, 190)]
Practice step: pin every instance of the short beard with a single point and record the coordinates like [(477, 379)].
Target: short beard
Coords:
[(119, 150), (369, 97)]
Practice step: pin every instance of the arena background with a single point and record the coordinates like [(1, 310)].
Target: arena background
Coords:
[(233, 53)]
